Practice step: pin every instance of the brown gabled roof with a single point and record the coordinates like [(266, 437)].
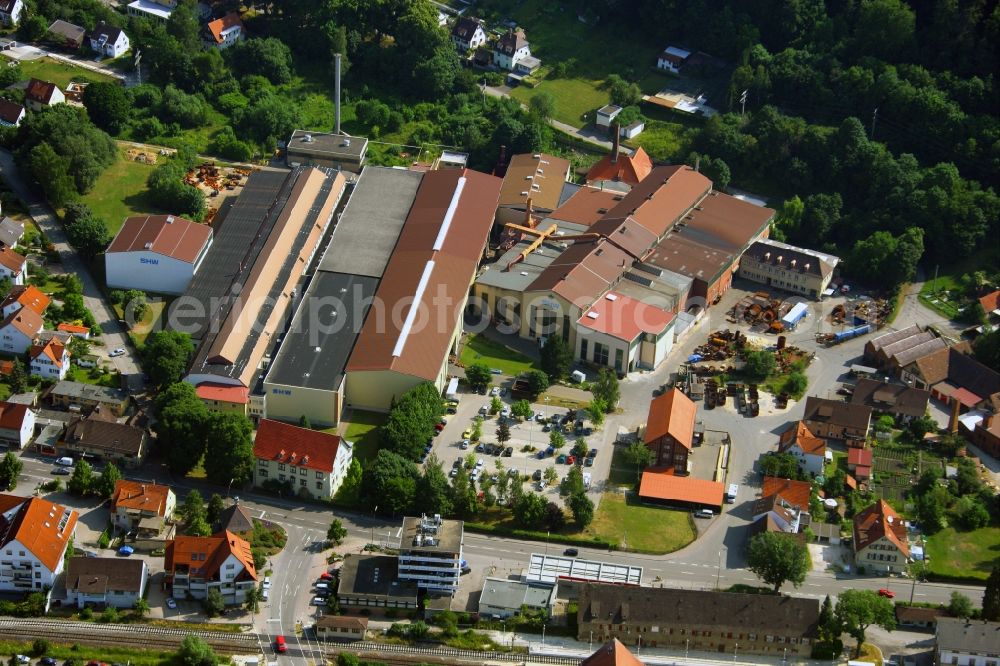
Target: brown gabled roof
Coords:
[(892, 398), (28, 296), (918, 614), (443, 257), (671, 414), (112, 438), (631, 169), (302, 447), (801, 435), (536, 176), (511, 41), (663, 197), (236, 519), (150, 497), (42, 527), (11, 260), (990, 301), (465, 28), (837, 412), (933, 367), (12, 415), (219, 25), (167, 235), (96, 575), (209, 554), (583, 272), (877, 521), (10, 112), (40, 91), (586, 206), (343, 622), (612, 653), (876, 344), (25, 320)]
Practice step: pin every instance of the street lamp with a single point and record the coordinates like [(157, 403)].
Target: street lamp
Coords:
[(735, 651), (591, 641), (687, 644)]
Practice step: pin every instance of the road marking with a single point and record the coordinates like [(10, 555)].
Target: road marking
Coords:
[(688, 573)]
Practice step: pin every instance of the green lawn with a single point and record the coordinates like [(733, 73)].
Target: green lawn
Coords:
[(945, 294), (573, 97), (963, 555), (641, 528), (839, 461), (154, 310), (92, 376), (362, 428), (664, 140), (480, 349), (622, 473), (61, 73), (121, 192), (84, 653)]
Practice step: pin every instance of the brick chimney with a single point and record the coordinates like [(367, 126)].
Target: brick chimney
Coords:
[(953, 422)]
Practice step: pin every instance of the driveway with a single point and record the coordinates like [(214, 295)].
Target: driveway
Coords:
[(114, 335)]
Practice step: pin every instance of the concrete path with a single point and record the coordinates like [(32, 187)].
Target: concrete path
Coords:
[(114, 335)]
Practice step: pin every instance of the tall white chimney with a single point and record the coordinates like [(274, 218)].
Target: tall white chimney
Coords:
[(336, 93)]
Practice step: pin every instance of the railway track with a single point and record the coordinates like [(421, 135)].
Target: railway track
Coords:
[(143, 636)]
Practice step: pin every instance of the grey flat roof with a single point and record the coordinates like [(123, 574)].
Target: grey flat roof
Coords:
[(369, 227), (373, 575), (523, 273), (328, 319), (71, 389), (289, 264), (512, 594), (447, 537), (331, 146), (968, 636), (550, 568), (238, 239)]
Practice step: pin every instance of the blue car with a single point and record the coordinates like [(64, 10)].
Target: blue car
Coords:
[(125, 550), (541, 454)]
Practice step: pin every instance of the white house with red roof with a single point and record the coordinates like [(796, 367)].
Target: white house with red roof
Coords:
[(218, 397), (223, 561), (156, 253), (880, 543), (624, 334), (225, 31), (807, 448), (41, 94), (34, 534), (18, 330), (49, 360), (17, 424), (23, 296), (13, 266), (11, 113), (314, 462)]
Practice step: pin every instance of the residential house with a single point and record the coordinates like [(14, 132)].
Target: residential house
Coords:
[(314, 463), (225, 31), (17, 425), (807, 448), (67, 34), (665, 488), (235, 519), (11, 113), (341, 628), (783, 505), (49, 361), (80, 397), (11, 231), (120, 443), (105, 581), (966, 642), (880, 543), (670, 430), (136, 505), (698, 620), (223, 562), (903, 402), (672, 59), (468, 34), (503, 597), (510, 48), (108, 40), (918, 617), (18, 331), (34, 534), (10, 11), (991, 305), (859, 462), (835, 419), (23, 296), (795, 269), (12, 265), (224, 397), (77, 331), (954, 376)]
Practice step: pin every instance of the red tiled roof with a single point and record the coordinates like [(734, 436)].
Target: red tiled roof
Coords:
[(42, 527), (990, 301), (40, 91), (239, 395), (168, 235), (73, 328), (631, 169), (25, 320), (671, 413), (53, 349), (143, 496), (10, 112), (586, 206), (290, 444), (12, 415), (671, 488), (612, 653), (625, 318), (795, 493), (663, 196), (863, 472), (863, 457), (29, 296), (219, 25), (877, 521), (210, 552), (966, 397), (11, 260), (801, 435)]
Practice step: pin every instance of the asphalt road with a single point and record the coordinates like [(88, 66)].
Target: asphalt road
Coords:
[(113, 336)]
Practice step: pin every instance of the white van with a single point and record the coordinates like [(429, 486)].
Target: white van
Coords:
[(732, 492), (65, 461)]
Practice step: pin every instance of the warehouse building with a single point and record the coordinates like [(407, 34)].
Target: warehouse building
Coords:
[(156, 253), (384, 310), (783, 266), (237, 305), (335, 151), (533, 181)]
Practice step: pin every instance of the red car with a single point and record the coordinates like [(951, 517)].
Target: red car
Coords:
[(887, 593), (279, 645), (570, 460), (326, 575)]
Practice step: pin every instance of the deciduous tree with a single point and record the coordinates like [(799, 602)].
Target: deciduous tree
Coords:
[(778, 559), (10, 469), (859, 609), (556, 357), (165, 356), (478, 375), (336, 533), (229, 458), (181, 427), (104, 485)]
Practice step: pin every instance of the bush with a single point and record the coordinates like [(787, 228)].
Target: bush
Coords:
[(40, 647), (110, 615), (86, 614), (104, 540)]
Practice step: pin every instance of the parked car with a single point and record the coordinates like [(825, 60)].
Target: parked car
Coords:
[(537, 475), (23, 659), (508, 452), (484, 410), (47, 661), (561, 460), (457, 463), (495, 391), (171, 604), (540, 455), (704, 513), (592, 454), (571, 552), (266, 584), (464, 445), (588, 462), (62, 471), (326, 575), (570, 460), (480, 447), (540, 416), (120, 351), (126, 550), (467, 433)]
